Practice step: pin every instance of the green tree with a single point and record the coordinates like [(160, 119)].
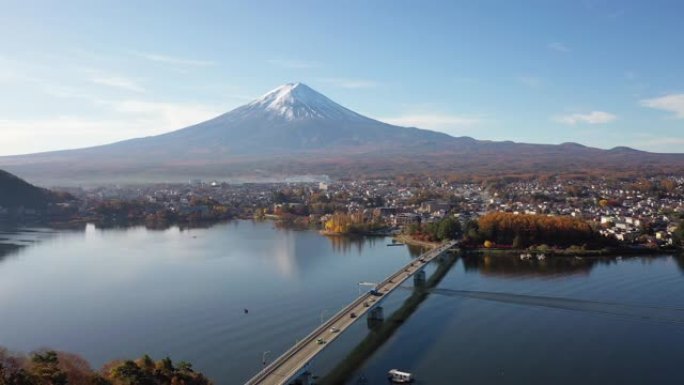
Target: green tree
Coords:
[(518, 242), (471, 232), (678, 235), (45, 366), (448, 228), (412, 228), (129, 373)]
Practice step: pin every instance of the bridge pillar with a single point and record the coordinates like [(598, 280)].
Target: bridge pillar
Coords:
[(303, 379), (375, 318), (419, 279)]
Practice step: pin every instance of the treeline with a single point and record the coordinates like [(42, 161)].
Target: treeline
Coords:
[(522, 231), (340, 223), (155, 215), (446, 228), (58, 368)]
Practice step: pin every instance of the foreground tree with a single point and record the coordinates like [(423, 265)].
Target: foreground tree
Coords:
[(57, 368)]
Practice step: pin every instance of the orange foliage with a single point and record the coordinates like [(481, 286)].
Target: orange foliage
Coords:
[(525, 230)]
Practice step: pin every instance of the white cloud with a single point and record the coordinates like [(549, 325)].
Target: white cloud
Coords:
[(558, 47), (164, 116), (63, 92), (171, 115), (119, 82), (132, 119), (60, 132), (593, 117), (672, 103), (350, 83), (293, 63), (176, 60), (442, 122)]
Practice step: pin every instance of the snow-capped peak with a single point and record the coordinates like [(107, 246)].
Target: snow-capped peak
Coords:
[(297, 101)]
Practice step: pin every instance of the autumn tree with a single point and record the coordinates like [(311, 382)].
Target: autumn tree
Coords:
[(525, 230)]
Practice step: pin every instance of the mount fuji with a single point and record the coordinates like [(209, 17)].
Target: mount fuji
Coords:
[(294, 130), (290, 118)]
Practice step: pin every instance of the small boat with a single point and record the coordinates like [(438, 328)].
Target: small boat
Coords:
[(399, 377), (395, 244)]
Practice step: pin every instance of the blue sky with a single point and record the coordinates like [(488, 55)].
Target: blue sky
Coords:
[(601, 73)]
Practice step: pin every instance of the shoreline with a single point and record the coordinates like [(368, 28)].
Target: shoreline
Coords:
[(408, 240), (608, 252), (399, 238)]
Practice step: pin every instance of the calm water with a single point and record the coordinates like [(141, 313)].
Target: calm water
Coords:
[(108, 294)]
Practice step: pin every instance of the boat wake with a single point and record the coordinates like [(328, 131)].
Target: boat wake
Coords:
[(673, 315)]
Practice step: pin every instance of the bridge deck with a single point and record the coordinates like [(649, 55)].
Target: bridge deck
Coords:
[(290, 363)]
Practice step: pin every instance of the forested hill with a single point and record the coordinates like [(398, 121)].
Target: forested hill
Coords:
[(15, 192)]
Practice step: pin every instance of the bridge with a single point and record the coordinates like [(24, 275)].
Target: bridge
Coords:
[(295, 361)]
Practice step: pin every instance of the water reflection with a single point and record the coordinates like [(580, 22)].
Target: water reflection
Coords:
[(679, 259), (12, 241), (382, 330), (514, 267), (416, 251), (154, 225), (7, 249), (346, 243), (285, 254), (510, 266)]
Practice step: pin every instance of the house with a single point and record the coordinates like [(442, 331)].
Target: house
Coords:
[(384, 212), (434, 205), (403, 219)]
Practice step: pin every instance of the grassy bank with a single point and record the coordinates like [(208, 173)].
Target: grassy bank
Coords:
[(407, 239)]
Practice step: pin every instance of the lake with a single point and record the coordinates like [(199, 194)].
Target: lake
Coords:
[(120, 293)]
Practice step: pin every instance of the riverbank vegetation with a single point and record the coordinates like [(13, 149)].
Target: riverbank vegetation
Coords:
[(49, 367), (678, 235), (353, 224), (438, 231)]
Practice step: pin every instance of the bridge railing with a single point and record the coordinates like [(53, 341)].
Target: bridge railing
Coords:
[(269, 369), (306, 340)]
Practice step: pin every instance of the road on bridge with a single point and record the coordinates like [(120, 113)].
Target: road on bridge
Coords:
[(293, 361)]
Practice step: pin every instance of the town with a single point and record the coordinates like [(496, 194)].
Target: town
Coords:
[(645, 212)]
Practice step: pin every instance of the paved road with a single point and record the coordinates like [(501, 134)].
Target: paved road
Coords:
[(292, 361)]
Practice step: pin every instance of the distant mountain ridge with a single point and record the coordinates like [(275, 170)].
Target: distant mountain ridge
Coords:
[(294, 130)]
